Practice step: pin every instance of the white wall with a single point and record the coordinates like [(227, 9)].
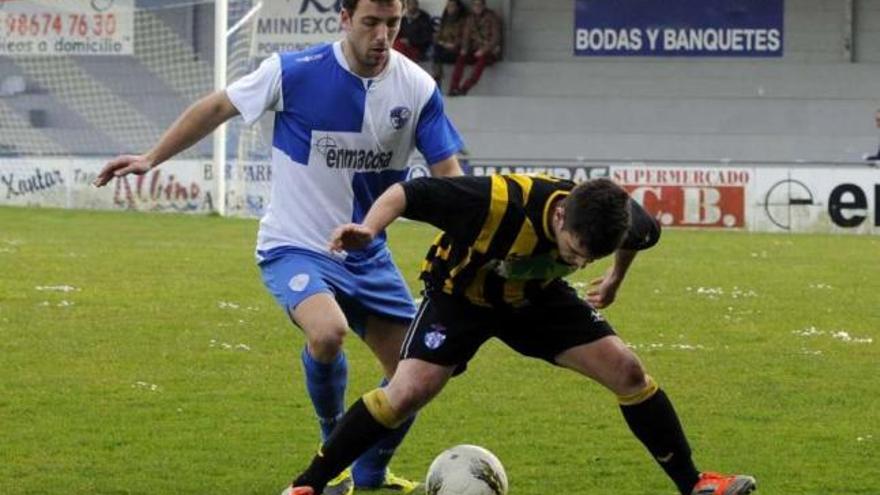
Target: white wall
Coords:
[(867, 31), (811, 104)]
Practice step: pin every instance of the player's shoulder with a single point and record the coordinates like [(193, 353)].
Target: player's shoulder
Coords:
[(305, 59), (549, 181), (407, 66), (543, 187), (414, 75)]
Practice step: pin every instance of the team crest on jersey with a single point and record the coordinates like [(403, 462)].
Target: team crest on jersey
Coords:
[(435, 338), (400, 116)]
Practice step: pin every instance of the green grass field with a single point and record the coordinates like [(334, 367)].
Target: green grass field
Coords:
[(140, 354)]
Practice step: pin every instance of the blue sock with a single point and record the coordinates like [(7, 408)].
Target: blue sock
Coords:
[(369, 470), (326, 385)]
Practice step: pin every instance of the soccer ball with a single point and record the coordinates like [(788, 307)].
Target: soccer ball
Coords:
[(466, 470)]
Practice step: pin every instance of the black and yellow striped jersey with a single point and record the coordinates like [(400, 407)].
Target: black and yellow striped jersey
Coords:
[(497, 247)]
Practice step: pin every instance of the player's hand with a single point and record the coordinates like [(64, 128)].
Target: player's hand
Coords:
[(603, 290), (122, 165), (351, 237)]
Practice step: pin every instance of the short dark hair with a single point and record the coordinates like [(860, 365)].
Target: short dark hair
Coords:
[(462, 11), (597, 212), (351, 5)]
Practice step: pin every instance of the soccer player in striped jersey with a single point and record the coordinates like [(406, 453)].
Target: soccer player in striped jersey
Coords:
[(348, 115), (497, 271)]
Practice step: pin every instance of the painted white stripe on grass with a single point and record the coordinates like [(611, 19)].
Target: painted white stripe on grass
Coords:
[(821, 286), (56, 288), (152, 387), (228, 346), (718, 292), (664, 346), (808, 332), (846, 337), (841, 335), (61, 304), (234, 305)]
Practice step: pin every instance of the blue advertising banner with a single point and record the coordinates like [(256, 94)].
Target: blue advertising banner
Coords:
[(679, 28)]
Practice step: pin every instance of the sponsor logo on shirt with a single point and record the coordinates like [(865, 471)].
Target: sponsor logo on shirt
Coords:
[(349, 158), (310, 58)]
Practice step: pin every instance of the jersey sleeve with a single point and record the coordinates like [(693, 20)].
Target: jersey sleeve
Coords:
[(455, 205), (258, 91), (644, 230), (436, 138)]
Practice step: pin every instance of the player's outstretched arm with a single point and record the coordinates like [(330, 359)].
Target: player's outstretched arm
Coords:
[(355, 236), (449, 167), (196, 122)]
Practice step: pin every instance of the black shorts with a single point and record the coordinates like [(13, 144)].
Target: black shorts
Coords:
[(448, 330)]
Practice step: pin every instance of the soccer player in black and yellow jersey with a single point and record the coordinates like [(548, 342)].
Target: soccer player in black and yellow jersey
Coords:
[(497, 271)]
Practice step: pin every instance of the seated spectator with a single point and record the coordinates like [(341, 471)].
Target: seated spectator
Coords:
[(876, 156), (481, 46), (447, 41), (416, 32)]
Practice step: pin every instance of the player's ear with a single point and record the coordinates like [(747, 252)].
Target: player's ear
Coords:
[(345, 19), (559, 213)]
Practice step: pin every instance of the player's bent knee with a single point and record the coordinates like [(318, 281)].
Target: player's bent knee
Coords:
[(632, 376), (326, 344), (408, 397)]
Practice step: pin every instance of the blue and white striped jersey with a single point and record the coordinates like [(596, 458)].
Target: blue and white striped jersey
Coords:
[(339, 140)]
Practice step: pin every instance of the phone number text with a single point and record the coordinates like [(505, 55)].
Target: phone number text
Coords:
[(55, 24)]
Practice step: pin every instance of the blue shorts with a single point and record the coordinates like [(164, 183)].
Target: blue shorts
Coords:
[(369, 284)]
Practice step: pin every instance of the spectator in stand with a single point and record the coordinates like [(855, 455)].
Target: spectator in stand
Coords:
[(416, 32), (447, 42), (875, 156), (481, 46)]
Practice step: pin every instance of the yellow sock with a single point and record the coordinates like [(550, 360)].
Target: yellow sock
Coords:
[(646, 393), (379, 406)]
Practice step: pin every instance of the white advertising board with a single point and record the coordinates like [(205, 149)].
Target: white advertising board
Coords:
[(69, 27), (179, 185), (759, 198), (809, 199)]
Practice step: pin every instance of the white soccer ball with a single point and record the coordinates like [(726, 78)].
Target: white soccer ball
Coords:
[(466, 470)]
